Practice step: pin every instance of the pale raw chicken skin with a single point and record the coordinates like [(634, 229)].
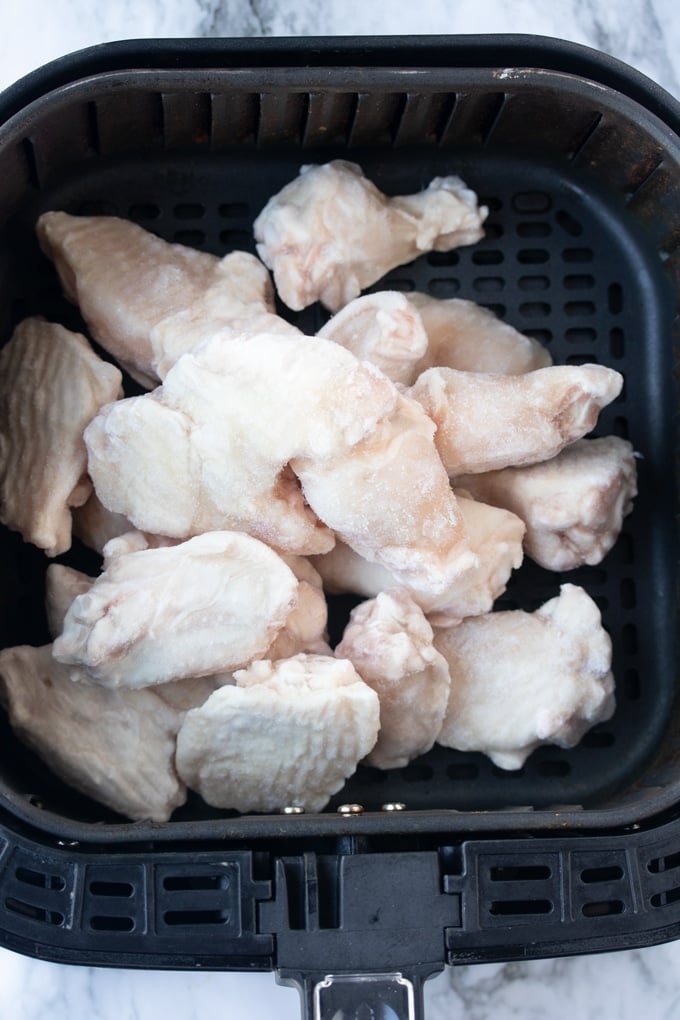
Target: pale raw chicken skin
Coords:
[(147, 301), (520, 679), (305, 629), (389, 643), (573, 505), (330, 233), (382, 328), (470, 338), (51, 385), (94, 525), (288, 734), (495, 537), (117, 747), (486, 422), (206, 606), (62, 585)]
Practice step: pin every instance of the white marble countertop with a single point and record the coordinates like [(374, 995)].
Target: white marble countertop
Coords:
[(620, 986)]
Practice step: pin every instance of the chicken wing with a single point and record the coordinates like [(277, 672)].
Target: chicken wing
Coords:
[(486, 422), (208, 605), (117, 747), (289, 733), (389, 643), (51, 385), (494, 537), (468, 337), (94, 525), (147, 301), (62, 585), (382, 328), (573, 505), (523, 679), (330, 233)]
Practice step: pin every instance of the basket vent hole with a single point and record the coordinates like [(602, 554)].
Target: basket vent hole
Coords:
[(403, 285), (175, 918), (580, 307), (237, 240), (534, 282), (577, 255), (444, 288), (193, 238), (582, 281), (531, 202), (443, 258), (189, 210), (603, 908), (122, 889), (489, 284), (532, 256), (497, 309), (544, 336), (568, 223), (510, 908), (39, 879), (187, 883), (234, 210), (666, 898), (487, 258), (144, 211), (598, 739), (111, 922), (95, 208), (615, 298), (32, 912), (581, 359), (417, 773), (537, 229), (617, 347), (660, 864), (582, 335), (610, 873), (519, 873), (553, 768), (462, 770), (534, 309)]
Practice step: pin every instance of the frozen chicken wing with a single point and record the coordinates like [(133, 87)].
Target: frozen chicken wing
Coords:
[(330, 233), (495, 537), (62, 585), (288, 734), (206, 606), (573, 505), (382, 328), (486, 422), (523, 679), (147, 301), (94, 525), (51, 385), (389, 643), (305, 629), (117, 747), (468, 337)]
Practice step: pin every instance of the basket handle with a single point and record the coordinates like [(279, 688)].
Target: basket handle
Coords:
[(386, 996)]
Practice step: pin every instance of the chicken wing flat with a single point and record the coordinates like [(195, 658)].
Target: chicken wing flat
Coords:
[(470, 338), (330, 233), (289, 733), (206, 606), (573, 505), (117, 747), (51, 385), (523, 679), (94, 525), (382, 328), (389, 643), (486, 422), (147, 301), (495, 538), (305, 629), (62, 585)]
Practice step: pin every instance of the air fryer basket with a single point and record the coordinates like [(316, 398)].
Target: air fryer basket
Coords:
[(578, 159)]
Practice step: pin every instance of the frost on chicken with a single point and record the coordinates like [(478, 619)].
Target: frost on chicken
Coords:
[(147, 301), (289, 733), (573, 505), (206, 606), (51, 385), (330, 233), (486, 422), (523, 679), (382, 328), (495, 538), (117, 747), (468, 337), (389, 643)]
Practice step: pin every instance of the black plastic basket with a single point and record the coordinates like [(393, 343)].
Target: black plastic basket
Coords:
[(578, 159)]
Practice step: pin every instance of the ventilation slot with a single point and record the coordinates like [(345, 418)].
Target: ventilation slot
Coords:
[(199, 896), (603, 908), (662, 864), (183, 883), (33, 912), (112, 922), (613, 873), (176, 918), (119, 889), (39, 879)]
